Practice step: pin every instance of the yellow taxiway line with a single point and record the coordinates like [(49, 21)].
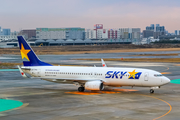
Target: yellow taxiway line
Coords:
[(170, 107)]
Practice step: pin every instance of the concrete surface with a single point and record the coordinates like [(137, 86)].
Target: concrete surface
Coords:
[(51, 101)]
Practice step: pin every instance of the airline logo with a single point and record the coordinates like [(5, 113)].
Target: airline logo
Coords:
[(134, 75), (120, 74), (24, 52)]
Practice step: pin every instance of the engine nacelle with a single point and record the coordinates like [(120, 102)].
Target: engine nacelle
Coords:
[(94, 85)]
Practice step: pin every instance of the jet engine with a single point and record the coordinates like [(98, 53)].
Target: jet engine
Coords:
[(94, 85)]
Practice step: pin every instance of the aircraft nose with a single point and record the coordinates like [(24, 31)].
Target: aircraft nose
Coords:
[(166, 80)]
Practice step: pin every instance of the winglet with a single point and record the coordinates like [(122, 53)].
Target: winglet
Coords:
[(103, 63), (21, 71)]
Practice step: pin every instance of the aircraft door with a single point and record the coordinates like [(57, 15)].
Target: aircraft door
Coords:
[(38, 72), (146, 76)]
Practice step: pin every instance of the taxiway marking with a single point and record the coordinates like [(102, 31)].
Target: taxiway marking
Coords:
[(111, 91), (170, 107), (24, 105), (166, 73)]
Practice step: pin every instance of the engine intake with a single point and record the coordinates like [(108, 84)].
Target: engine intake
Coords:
[(94, 85)]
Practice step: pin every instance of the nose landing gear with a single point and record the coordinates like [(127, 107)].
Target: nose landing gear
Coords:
[(151, 91)]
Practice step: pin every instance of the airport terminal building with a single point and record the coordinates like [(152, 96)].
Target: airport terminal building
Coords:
[(60, 33)]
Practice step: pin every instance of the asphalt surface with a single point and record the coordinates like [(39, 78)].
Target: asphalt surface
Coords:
[(51, 101), (63, 58)]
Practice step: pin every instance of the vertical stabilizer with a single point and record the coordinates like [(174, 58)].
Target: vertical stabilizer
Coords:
[(28, 56)]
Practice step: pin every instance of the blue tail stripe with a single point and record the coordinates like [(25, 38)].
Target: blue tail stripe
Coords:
[(33, 59)]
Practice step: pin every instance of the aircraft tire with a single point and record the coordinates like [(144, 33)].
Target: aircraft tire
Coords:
[(81, 89), (151, 91)]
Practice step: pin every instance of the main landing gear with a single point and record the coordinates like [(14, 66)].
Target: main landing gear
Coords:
[(151, 91), (81, 89)]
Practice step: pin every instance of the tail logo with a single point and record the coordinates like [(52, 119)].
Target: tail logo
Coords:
[(24, 52)]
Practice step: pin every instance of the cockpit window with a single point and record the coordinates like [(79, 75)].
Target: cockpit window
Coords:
[(158, 75)]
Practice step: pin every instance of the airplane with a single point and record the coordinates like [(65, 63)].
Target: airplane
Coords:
[(87, 78)]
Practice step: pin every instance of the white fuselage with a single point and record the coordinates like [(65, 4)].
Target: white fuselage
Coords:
[(110, 76)]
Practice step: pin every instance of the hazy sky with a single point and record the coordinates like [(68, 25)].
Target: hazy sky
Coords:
[(28, 14)]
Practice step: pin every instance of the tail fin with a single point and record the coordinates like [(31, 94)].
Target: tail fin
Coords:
[(28, 56)]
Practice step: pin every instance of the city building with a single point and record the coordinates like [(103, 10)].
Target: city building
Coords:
[(177, 32), (102, 34), (160, 28), (156, 28), (97, 33), (136, 33), (148, 33), (113, 34), (129, 33), (5, 31), (28, 33), (5, 35), (121, 33), (151, 27), (8, 37), (90, 34), (158, 33), (154, 31), (60, 33)]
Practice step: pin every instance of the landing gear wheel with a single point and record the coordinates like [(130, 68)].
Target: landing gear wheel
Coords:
[(81, 89), (151, 91)]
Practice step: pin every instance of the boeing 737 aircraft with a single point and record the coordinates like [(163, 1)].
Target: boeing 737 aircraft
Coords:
[(89, 78)]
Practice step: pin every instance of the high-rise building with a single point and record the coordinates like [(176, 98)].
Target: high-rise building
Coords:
[(97, 34), (160, 28), (151, 27), (154, 31), (156, 28), (177, 32), (157, 34), (90, 34), (5, 31), (102, 34), (136, 33), (129, 33), (148, 33), (113, 34)]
